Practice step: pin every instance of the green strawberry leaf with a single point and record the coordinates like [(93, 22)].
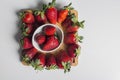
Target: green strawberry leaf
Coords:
[(67, 66), (80, 24), (26, 59), (52, 4), (21, 14), (77, 51), (37, 12), (39, 68), (24, 34), (52, 67), (78, 38), (36, 65), (68, 7)]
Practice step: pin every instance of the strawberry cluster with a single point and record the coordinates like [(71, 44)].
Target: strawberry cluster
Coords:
[(62, 59)]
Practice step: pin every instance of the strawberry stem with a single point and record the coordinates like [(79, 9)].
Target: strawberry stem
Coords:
[(68, 7), (52, 4), (44, 7)]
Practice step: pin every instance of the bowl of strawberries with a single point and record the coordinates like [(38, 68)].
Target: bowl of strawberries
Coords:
[(47, 38)]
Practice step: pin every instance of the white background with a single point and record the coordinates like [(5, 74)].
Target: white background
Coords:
[(100, 55)]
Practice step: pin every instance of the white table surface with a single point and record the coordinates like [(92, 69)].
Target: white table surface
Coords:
[(100, 55)]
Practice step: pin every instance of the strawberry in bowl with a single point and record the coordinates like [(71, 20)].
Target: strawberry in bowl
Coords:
[(47, 38)]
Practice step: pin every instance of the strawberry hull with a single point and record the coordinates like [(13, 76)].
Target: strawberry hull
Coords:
[(39, 62)]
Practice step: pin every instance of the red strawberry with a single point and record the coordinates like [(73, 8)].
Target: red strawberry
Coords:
[(51, 12), (40, 38), (49, 30), (51, 43), (62, 14), (72, 38), (73, 50), (26, 29), (28, 55), (39, 62), (74, 27), (51, 62), (63, 61), (67, 22), (26, 43), (40, 15), (27, 17)]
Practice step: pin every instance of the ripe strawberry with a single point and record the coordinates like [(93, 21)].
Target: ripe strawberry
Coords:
[(28, 55), (73, 50), (63, 61), (39, 62), (40, 15), (26, 29), (72, 38), (74, 27), (51, 12), (62, 14), (67, 22), (27, 17), (40, 38), (51, 43), (49, 30), (26, 43), (51, 62)]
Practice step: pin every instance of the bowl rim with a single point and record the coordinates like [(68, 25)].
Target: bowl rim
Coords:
[(38, 30)]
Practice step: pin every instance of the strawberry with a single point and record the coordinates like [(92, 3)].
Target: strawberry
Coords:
[(72, 38), (62, 14), (39, 62), (73, 50), (67, 22), (51, 62), (63, 61), (40, 38), (51, 43), (26, 43), (51, 12), (49, 30), (40, 15), (26, 29), (27, 17), (74, 27), (28, 55)]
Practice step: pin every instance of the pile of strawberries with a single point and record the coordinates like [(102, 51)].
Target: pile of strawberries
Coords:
[(32, 19), (48, 38)]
